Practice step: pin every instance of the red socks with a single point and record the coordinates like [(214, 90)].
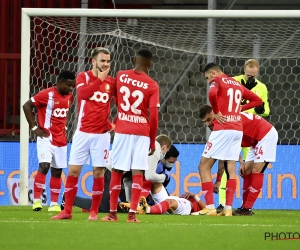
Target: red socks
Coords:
[(114, 188), (147, 185), (55, 186), (97, 193), (70, 193), (160, 208), (137, 183), (246, 185), (207, 188), (230, 190), (254, 189), (39, 184)]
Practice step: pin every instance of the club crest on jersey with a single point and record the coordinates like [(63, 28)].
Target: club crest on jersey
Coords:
[(57, 102), (107, 88)]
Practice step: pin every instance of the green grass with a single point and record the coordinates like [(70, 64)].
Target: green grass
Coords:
[(20, 228)]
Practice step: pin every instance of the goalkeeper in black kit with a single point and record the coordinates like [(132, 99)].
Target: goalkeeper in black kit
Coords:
[(248, 80)]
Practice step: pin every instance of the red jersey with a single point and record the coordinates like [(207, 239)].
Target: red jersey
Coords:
[(52, 113), (136, 93), (94, 111), (254, 129), (225, 95)]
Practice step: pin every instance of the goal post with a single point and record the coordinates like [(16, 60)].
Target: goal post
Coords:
[(179, 40), (25, 90)]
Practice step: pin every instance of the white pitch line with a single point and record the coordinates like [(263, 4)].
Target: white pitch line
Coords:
[(165, 224), (225, 225)]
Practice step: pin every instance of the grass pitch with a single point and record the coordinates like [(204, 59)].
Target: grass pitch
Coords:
[(21, 228)]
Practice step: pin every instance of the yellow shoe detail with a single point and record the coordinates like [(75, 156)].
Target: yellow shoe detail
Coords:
[(54, 208)]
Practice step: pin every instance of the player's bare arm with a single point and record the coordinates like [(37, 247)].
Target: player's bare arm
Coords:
[(27, 108)]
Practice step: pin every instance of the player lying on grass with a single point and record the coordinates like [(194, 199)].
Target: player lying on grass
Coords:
[(187, 204), (261, 137)]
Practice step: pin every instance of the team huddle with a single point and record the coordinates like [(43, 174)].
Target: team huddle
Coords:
[(136, 96)]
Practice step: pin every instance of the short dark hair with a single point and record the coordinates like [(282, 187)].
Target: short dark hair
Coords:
[(173, 152), (98, 50), (213, 66), (204, 110), (65, 75), (145, 53)]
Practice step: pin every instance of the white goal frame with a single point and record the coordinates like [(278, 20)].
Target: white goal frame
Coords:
[(129, 13)]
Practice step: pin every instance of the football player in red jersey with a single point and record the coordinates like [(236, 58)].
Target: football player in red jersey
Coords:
[(261, 137), (135, 131), (187, 204), (53, 106), (224, 142), (95, 90)]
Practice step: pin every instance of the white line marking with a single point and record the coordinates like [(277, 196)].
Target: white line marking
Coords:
[(164, 224)]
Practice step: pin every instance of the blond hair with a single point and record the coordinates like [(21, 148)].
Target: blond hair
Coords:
[(164, 140), (251, 63)]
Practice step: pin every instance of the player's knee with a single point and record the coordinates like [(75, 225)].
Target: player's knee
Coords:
[(56, 172), (44, 167), (98, 172), (74, 171), (173, 204), (259, 167)]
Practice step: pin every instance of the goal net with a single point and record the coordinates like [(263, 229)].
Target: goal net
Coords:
[(181, 48)]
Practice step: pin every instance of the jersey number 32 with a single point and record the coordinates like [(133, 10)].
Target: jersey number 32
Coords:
[(126, 106)]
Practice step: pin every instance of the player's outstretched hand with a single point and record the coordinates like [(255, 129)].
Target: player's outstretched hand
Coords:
[(40, 133), (216, 187), (220, 118), (102, 74)]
